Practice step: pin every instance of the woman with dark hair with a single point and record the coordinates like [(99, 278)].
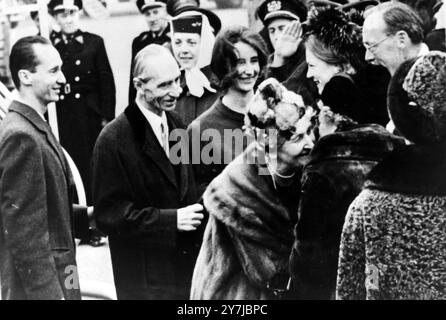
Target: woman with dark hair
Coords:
[(335, 56), (252, 204), (347, 150), (393, 239), (238, 60)]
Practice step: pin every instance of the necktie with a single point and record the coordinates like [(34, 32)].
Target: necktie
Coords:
[(164, 139)]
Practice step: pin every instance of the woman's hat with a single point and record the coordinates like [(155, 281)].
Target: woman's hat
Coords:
[(176, 7), (417, 98)]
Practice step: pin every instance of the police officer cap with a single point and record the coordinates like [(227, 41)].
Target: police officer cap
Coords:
[(144, 5), (55, 6), (288, 9), (176, 7)]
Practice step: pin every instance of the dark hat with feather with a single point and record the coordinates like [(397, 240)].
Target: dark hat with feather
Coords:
[(333, 29)]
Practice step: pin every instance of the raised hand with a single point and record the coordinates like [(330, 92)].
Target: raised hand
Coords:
[(287, 43)]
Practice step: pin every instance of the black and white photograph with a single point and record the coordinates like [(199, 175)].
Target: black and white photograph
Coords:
[(245, 152)]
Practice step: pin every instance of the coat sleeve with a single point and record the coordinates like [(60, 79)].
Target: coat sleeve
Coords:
[(25, 216), (313, 260), (351, 266), (116, 209), (106, 83)]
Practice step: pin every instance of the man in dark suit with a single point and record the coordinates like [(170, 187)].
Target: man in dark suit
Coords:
[(37, 249), (144, 201), (158, 32), (88, 100)]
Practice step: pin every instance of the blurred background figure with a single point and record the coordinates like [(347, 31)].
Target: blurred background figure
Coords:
[(87, 102), (282, 21), (158, 29), (192, 44), (392, 244)]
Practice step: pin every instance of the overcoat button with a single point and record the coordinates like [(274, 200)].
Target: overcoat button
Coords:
[(78, 62), (77, 95), (76, 79)]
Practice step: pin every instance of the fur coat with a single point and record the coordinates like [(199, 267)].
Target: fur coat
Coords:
[(393, 240), (248, 238)]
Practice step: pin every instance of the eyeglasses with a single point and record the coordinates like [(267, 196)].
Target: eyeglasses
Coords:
[(376, 44)]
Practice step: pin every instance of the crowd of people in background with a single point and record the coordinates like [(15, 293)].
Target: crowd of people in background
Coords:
[(312, 155)]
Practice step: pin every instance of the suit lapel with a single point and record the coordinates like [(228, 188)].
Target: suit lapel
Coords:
[(32, 116), (150, 146)]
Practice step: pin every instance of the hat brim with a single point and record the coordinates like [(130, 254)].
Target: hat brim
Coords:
[(61, 8), (214, 20), (152, 6), (280, 14), (359, 5)]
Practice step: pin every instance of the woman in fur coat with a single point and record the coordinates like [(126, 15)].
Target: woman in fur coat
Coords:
[(252, 204), (393, 241)]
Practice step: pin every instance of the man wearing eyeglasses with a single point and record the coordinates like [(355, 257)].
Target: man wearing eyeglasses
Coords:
[(392, 33), (88, 99)]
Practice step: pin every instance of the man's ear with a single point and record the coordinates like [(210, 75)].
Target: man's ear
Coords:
[(25, 77), (137, 83), (402, 39)]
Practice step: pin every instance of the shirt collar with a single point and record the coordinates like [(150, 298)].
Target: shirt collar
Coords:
[(154, 120)]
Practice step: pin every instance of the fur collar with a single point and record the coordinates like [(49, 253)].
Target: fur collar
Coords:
[(413, 169), (367, 142)]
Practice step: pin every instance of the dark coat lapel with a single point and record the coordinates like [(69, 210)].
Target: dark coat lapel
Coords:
[(175, 123), (149, 143), (42, 126)]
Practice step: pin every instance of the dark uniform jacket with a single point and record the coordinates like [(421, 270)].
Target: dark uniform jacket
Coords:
[(140, 42), (339, 165), (88, 99), (137, 192), (37, 250)]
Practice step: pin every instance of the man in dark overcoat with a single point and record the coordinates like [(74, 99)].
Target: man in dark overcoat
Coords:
[(88, 100), (158, 32), (143, 195), (37, 218)]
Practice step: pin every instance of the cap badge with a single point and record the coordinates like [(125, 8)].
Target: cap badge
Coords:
[(274, 6)]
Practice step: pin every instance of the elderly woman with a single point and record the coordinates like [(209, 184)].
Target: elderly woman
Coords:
[(247, 241), (393, 241), (192, 45), (336, 62)]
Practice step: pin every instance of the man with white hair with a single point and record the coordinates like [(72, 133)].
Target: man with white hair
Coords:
[(143, 201)]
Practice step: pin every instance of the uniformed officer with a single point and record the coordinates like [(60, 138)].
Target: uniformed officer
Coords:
[(88, 101), (158, 32)]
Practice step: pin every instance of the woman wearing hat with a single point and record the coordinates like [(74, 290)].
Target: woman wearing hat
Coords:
[(336, 62), (393, 240), (347, 150), (252, 204), (192, 44)]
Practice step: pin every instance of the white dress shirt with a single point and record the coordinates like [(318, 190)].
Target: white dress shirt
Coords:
[(156, 122)]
